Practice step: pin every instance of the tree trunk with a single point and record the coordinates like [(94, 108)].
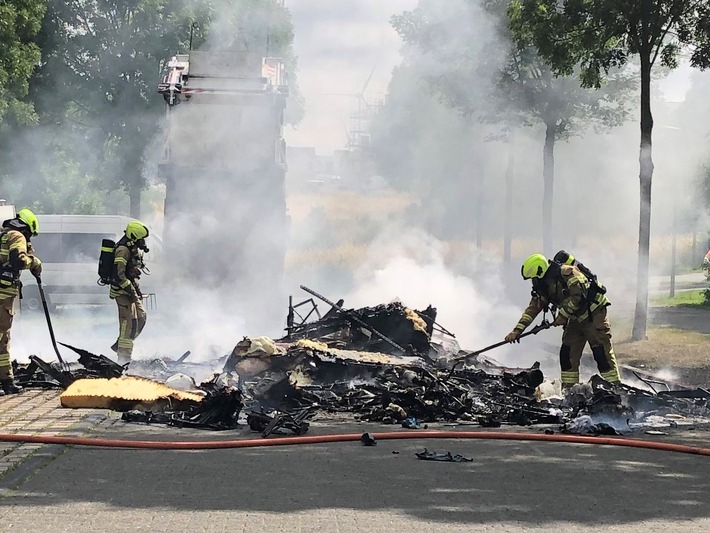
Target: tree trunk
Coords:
[(548, 178), (508, 213), (645, 177), (479, 206), (134, 197)]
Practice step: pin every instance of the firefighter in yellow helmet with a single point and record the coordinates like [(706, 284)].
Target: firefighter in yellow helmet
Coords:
[(582, 309), (127, 268), (16, 254)]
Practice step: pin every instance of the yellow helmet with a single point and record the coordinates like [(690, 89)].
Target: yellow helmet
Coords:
[(535, 266), (136, 231), (29, 218)]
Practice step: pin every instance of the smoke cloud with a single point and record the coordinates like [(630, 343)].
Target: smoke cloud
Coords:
[(452, 167)]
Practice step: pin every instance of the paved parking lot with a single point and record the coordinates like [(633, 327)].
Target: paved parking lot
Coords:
[(509, 486)]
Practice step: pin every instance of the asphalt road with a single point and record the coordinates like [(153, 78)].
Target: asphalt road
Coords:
[(688, 318), (509, 486)]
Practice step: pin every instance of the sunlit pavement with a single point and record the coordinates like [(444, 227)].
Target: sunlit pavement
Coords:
[(509, 486), (37, 412)]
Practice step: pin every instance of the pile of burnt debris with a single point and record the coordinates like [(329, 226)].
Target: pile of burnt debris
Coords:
[(387, 364)]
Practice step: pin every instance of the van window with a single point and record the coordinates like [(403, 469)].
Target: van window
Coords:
[(69, 247), (48, 247)]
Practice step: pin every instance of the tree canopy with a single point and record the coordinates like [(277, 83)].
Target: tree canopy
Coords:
[(489, 70), (19, 54), (90, 70), (597, 36)]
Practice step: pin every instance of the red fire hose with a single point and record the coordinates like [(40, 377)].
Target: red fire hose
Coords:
[(349, 437)]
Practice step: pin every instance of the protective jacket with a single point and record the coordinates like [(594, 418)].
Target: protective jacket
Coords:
[(566, 288), (16, 254), (127, 265)]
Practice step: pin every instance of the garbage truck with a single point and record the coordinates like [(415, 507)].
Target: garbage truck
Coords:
[(224, 166)]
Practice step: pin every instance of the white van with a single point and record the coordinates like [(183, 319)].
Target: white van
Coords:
[(6, 211), (69, 247)]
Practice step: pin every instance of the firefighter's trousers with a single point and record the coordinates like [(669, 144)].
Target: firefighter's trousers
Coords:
[(131, 321), (596, 332), (6, 316)]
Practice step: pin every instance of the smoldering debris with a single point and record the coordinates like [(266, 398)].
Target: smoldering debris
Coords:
[(447, 457), (385, 364), (266, 424), (40, 373), (219, 409), (392, 391), (408, 331), (382, 388)]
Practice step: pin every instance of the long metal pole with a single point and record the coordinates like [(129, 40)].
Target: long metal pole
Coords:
[(49, 322)]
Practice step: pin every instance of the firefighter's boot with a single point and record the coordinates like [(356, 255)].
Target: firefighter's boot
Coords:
[(10, 387)]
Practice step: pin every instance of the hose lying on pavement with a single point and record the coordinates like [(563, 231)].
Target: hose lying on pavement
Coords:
[(349, 437)]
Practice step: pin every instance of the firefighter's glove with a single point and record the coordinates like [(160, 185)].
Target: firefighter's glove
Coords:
[(135, 298), (513, 336), (36, 267), (560, 321)]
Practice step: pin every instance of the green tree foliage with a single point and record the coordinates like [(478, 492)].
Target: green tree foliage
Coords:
[(67, 189), (599, 35), (94, 87), (103, 60), (20, 21)]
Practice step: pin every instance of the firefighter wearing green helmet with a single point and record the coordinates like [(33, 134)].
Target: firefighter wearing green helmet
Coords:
[(16, 254), (125, 290), (581, 303)]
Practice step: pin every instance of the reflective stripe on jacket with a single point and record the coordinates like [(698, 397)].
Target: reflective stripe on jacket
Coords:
[(122, 285), (15, 255)]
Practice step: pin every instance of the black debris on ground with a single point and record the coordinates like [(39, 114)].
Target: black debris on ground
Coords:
[(387, 364), (219, 410), (446, 457)]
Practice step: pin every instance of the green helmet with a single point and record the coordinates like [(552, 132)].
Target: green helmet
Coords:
[(29, 218), (535, 266), (136, 231)]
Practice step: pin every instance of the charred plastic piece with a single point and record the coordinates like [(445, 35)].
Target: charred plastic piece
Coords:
[(268, 424), (426, 455), (100, 364), (40, 373), (218, 411), (368, 440)]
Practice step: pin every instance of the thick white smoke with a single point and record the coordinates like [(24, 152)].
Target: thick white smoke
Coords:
[(410, 267)]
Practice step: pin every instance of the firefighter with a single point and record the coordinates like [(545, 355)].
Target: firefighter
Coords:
[(16, 254), (582, 311), (127, 268)]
